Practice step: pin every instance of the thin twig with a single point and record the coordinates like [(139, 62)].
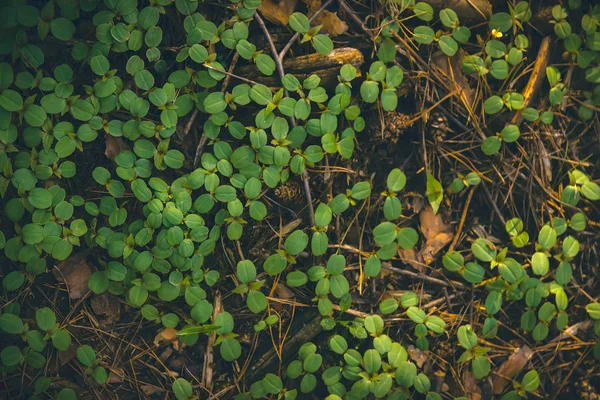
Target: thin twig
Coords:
[(271, 44), (234, 61), (422, 277), (241, 78), (355, 17), (463, 217), (190, 123), (200, 149), (292, 119), (492, 202)]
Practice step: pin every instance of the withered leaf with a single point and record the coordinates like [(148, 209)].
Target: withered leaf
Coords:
[(114, 145), (332, 24), (167, 335), (510, 368), (278, 12), (438, 234), (75, 272)]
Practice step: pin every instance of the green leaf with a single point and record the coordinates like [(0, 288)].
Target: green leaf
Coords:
[(501, 22), (435, 192), (547, 237), (491, 145), (182, 389), (45, 318), (256, 301), (11, 100), (99, 64), (86, 355), (369, 91), (40, 198), (12, 324), (493, 105), (449, 18), (423, 11), (466, 337), (484, 250), (144, 80), (323, 44), (423, 34), (299, 22), (531, 381), (448, 45), (61, 340), (62, 29), (385, 233), (296, 243)]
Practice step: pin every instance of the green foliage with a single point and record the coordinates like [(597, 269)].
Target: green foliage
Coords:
[(156, 219)]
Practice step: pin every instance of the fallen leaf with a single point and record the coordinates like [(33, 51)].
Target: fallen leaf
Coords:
[(278, 12), (472, 390), (510, 368), (114, 145), (573, 330), (332, 24), (417, 355), (65, 357), (149, 390), (438, 234), (166, 335), (412, 258), (75, 272), (116, 375)]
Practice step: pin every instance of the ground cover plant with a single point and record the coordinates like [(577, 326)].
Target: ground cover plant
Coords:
[(299, 199)]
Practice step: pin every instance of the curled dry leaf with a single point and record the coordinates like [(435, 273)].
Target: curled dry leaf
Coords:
[(417, 355), (207, 366), (65, 357), (472, 390), (149, 390), (75, 272), (573, 330), (511, 368), (412, 258), (278, 12), (438, 234), (116, 375), (167, 335), (114, 145), (332, 24)]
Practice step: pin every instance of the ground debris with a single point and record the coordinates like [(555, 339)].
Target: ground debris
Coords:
[(75, 272), (438, 234)]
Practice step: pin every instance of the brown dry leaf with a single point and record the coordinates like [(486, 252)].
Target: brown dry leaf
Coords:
[(412, 258), (278, 12), (114, 145), (473, 391), (511, 368), (332, 24), (167, 335), (149, 390), (417, 355), (65, 357), (75, 272), (116, 375), (438, 234)]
